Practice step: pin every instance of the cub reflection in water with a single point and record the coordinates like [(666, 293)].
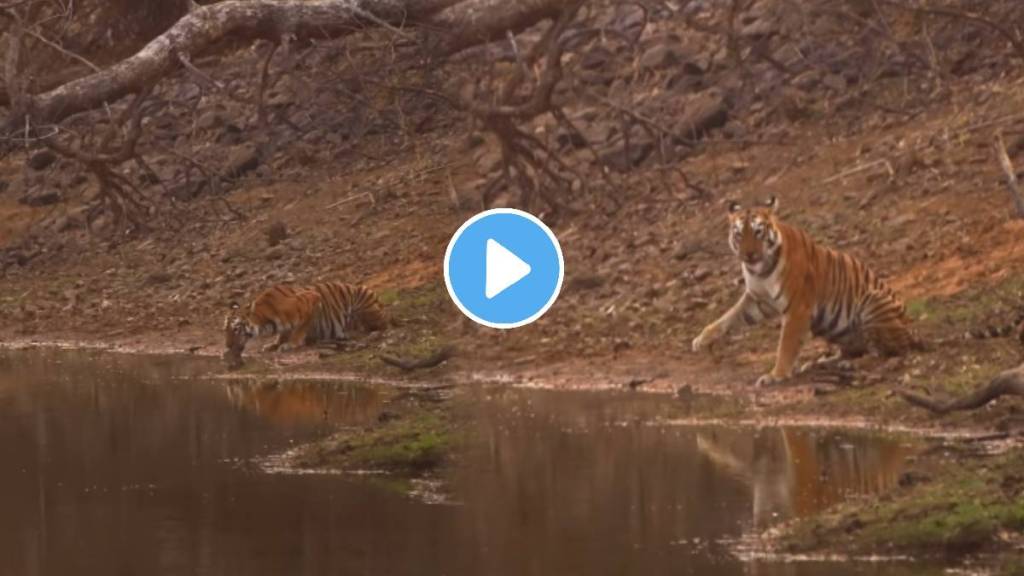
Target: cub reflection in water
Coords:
[(290, 404), (794, 473)]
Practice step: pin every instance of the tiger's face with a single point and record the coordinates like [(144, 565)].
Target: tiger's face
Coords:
[(753, 235), (237, 333)]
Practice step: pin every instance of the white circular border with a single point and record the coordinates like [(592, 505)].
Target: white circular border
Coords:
[(551, 299)]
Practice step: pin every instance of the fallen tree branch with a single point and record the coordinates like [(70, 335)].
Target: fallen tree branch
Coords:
[(455, 24), (1008, 383), (439, 357), (201, 29), (476, 22)]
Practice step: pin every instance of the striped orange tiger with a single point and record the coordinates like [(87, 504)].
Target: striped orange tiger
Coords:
[(300, 315), (815, 289)]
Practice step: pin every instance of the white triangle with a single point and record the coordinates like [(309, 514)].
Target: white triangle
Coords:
[(502, 269)]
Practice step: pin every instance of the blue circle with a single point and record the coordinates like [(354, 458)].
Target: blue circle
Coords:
[(529, 240)]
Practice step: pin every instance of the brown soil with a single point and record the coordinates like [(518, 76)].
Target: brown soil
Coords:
[(929, 212)]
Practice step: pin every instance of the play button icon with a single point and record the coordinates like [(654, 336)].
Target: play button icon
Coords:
[(503, 268)]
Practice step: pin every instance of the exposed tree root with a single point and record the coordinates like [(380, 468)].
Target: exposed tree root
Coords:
[(1008, 383)]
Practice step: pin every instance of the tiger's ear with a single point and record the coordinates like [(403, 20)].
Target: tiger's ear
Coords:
[(734, 207), (772, 203)]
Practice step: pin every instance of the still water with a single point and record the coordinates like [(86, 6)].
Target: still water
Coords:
[(120, 465)]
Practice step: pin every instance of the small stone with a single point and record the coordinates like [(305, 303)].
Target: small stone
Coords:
[(683, 252), (186, 191), (696, 304), (596, 59), (835, 82), (40, 198), (586, 282), (277, 233), (705, 112), (487, 159), (72, 221), (242, 160), (662, 55), (211, 119), (41, 160), (913, 478), (157, 278), (621, 159)]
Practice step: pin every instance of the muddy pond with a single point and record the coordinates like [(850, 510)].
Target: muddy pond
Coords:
[(116, 464)]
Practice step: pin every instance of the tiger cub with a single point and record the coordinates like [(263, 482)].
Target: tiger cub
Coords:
[(815, 289), (300, 315)]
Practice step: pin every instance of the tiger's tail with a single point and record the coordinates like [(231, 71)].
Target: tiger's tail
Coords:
[(1013, 328)]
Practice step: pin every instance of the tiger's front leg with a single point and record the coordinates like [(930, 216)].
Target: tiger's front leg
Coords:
[(282, 339), (795, 327), (745, 312), (298, 336)]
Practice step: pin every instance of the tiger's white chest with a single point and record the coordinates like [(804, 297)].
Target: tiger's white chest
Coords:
[(767, 289)]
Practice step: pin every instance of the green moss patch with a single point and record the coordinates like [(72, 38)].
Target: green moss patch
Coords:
[(964, 508), (409, 443)]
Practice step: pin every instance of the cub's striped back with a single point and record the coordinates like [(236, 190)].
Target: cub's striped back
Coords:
[(321, 312)]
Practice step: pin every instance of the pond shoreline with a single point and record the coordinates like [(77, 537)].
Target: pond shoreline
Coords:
[(920, 518)]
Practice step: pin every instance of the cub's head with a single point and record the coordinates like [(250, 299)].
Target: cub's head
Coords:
[(754, 234), (237, 333)]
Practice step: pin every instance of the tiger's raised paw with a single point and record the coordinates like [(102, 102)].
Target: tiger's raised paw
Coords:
[(768, 380), (707, 337)]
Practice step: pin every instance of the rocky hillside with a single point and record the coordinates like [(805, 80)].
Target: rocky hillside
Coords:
[(873, 123)]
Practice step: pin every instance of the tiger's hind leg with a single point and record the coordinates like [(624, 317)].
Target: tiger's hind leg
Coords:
[(886, 327), (851, 345), (892, 339)]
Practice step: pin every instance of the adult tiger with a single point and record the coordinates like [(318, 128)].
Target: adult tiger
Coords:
[(300, 315), (816, 289)]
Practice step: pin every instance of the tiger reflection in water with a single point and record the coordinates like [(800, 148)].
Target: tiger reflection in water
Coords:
[(794, 473), (301, 404)]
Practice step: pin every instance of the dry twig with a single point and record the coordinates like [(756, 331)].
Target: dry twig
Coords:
[(1012, 185)]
